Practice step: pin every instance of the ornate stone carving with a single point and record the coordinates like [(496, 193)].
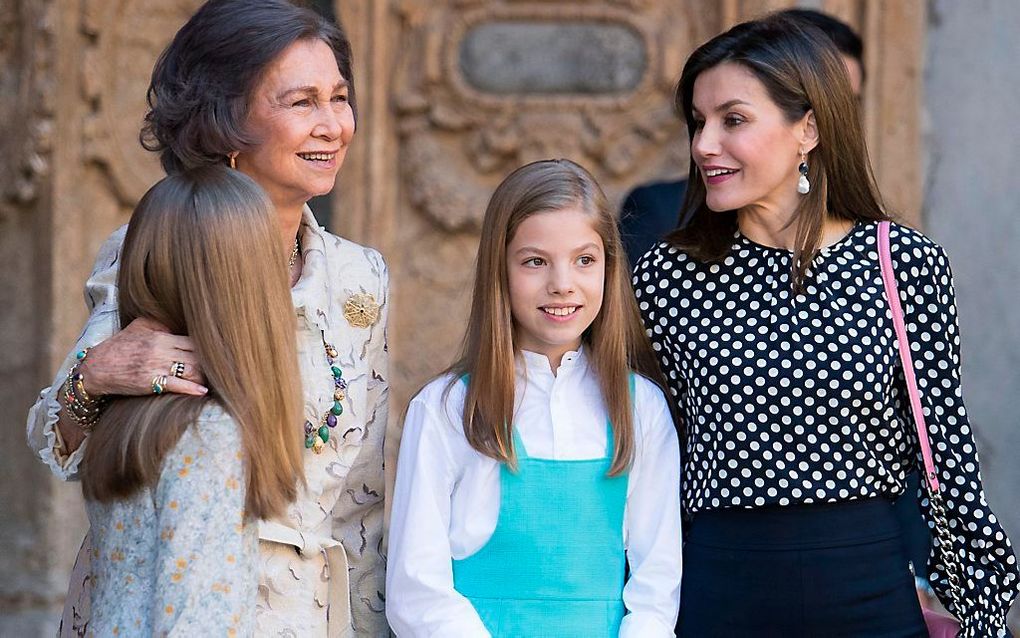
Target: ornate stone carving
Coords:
[(26, 85), (127, 37), (459, 141)]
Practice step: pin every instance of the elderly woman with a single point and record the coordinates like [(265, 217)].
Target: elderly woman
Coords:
[(266, 88), (773, 314)]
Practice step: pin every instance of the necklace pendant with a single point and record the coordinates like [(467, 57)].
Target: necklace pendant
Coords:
[(318, 444)]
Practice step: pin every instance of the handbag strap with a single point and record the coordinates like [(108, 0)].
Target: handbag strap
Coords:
[(893, 296)]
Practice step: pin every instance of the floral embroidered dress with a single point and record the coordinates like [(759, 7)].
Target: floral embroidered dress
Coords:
[(152, 568), (333, 533)]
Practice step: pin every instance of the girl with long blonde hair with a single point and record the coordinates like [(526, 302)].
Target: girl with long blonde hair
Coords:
[(176, 483), (545, 461)]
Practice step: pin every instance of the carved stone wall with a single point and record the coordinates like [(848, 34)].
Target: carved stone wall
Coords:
[(432, 143), (72, 82), (26, 114)]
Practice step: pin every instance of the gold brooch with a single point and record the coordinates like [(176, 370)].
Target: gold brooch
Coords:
[(361, 310)]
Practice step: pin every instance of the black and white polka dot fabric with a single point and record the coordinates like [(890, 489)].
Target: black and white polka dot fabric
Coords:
[(792, 399)]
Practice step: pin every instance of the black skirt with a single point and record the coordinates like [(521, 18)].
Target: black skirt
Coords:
[(797, 572)]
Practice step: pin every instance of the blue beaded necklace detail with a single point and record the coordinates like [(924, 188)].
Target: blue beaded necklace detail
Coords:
[(316, 437)]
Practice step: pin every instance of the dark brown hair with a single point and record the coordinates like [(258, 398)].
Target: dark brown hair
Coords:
[(202, 83), (203, 257), (616, 338), (802, 72)]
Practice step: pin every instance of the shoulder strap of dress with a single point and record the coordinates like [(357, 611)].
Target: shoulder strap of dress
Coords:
[(903, 345)]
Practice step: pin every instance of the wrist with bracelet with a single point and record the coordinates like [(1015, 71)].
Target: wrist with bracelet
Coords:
[(82, 408)]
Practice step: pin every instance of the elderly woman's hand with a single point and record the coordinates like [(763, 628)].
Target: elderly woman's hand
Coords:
[(129, 361)]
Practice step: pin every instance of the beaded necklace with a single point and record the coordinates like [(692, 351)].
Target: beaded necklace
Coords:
[(316, 437)]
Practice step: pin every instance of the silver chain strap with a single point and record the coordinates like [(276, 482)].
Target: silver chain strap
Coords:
[(950, 559)]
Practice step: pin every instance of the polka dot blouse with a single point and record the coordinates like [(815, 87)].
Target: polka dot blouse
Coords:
[(799, 398)]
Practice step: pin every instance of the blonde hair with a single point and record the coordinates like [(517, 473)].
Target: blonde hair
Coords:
[(203, 257), (616, 338)]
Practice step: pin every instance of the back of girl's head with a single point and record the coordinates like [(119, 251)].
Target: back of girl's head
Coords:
[(802, 72), (203, 257), (616, 341)]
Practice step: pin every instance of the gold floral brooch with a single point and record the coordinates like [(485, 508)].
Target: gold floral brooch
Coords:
[(361, 310)]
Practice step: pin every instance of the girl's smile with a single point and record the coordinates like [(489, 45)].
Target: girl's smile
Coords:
[(556, 271)]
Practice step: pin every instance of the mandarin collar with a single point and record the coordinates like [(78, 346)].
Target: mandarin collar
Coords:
[(311, 293), (536, 366)]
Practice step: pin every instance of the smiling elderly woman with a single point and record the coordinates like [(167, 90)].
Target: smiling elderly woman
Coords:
[(267, 88)]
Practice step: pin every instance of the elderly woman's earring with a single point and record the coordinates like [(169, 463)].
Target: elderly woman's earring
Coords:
[(803, 185), (233, 160)]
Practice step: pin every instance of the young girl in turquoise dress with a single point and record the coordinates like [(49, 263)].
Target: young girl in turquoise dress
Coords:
[(536, 490), (176, 483)]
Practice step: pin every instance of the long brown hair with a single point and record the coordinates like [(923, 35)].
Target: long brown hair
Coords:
[(203, 257), (616, 339), (801, 71)]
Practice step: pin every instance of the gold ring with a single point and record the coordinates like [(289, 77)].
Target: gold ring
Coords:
[(177, 369), (158, 384)]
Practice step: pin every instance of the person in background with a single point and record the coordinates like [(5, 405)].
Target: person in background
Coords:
[(651, 211), (176, 483)]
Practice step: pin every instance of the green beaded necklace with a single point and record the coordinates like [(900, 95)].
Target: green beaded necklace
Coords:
[(316, 437)]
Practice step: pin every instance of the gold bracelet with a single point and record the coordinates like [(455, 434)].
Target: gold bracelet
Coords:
[(81, 407)]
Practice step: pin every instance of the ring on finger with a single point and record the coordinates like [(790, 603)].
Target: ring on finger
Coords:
[(159, 384), (177, 369)]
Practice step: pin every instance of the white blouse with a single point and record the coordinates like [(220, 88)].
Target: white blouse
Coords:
[(447, 499)]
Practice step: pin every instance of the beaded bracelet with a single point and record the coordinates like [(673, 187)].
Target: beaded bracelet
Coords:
[(82, 408)]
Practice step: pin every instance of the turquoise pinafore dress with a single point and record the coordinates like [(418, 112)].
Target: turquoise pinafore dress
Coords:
[(555, 564)]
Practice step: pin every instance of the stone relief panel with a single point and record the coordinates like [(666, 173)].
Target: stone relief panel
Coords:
[(26, 101), (482, 87), (125, 38)]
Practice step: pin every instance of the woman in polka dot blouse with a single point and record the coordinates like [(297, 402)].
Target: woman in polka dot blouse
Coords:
[(769, 317)]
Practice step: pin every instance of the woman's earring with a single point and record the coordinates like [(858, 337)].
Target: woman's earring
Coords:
[(803, 185), (233, 160)]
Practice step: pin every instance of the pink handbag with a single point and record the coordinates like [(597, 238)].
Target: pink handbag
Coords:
[(939, 625)]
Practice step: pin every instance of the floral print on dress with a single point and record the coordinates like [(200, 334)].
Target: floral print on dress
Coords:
[(177, 558)]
